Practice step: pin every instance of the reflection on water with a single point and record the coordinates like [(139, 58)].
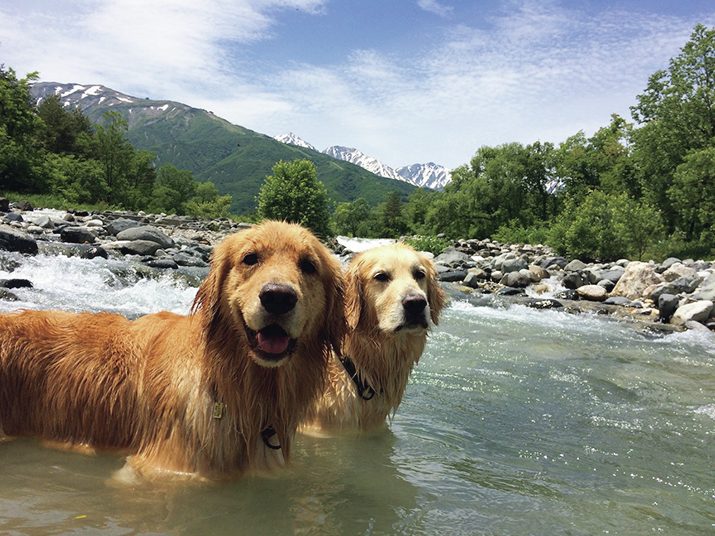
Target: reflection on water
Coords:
[(516, 422)]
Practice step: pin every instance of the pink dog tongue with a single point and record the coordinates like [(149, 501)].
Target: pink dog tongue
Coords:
[(273, 344)]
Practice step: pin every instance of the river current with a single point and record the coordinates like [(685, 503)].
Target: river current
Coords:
[(515, 421)]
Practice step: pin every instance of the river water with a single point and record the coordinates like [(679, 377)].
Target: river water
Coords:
[(516, 421)]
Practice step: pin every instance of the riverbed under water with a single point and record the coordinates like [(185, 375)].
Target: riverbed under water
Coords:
[(516, 421)]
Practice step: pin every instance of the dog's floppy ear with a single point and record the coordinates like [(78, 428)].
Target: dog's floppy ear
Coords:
[(208, 298), (334, 283), (435, 295), (354, 300)]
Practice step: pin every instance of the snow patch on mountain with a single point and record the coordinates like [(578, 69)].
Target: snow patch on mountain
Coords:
[(292, 139), (429, 175), (354, 156)]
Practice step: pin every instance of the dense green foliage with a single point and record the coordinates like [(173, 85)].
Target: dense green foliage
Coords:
[(52, 150), (630, 190), (294, 193)]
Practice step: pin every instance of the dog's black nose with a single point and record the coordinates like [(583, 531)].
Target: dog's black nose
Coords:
[(278, 299), (414, 304)]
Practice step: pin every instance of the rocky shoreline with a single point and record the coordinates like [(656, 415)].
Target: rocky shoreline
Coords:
[(669, 296)]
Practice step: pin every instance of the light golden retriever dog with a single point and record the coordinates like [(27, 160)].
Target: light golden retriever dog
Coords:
[(392, 299), (211, 394)]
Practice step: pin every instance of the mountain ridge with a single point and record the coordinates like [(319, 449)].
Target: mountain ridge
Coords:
[(236, 159), (429, 175)]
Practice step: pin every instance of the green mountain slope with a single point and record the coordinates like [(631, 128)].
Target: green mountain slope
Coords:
[(236, 159)]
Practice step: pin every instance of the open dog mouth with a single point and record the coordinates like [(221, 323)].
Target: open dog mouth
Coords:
[(272, 342), (413, 324)]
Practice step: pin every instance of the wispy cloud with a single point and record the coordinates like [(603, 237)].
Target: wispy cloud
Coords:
[(433, 6)]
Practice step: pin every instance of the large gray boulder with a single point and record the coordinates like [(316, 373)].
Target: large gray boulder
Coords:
[(612, 274), (77, 235), (520, 279), (12, 239), (667, 305), (636, 278), (706, 289), (573, 280), (698, 311), (147, 233), (120, 224)]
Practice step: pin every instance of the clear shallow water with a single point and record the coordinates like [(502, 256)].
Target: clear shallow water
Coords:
[(516, 422)]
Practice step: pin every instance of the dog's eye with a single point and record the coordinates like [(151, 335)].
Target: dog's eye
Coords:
[(307, 266), (381, 276), (419, 274), (251, 259)]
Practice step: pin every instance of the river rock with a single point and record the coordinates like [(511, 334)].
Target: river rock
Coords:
[(14, 216), (133, 247), (607, 284), (612, 274), (667, 263), (146, 233), (12, 239), (84, 251), (696, 326), (553, 261), (510, 291), (537, 273), (574, 280), (698, 311), (667, 305), (618, 300), (450, 257), (575, 266), (453, 275), (543, 303), (520, 279), (15, 283), (496, 275), (474, 276), (4, 204), (678, 270), (7, 295), (636, 278), (165, 263), (184, 259), (120, 224), (77, 235), (513, 265), (592, 292), (706, 289)]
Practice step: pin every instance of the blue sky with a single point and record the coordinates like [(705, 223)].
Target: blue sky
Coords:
[(403, 80)]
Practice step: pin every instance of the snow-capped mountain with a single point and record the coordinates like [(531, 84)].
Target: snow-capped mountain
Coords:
[(292, 139), (429, 175), (359, 158)]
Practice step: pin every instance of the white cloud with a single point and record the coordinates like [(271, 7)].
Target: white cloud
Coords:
[(535, 71), (433, 6)]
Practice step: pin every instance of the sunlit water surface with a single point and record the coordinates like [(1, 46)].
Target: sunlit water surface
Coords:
[(515, 422)]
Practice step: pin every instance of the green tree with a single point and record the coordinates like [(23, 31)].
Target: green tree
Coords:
[(677, 115), (207, 203), (348, 217), (20, 157), (294, 193), (173, 188), (693, 196), (391, 221), (114, 152), (64, 131)]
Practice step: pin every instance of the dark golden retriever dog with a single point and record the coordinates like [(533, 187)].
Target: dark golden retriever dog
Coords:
[(206, 394), (392, 299)]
